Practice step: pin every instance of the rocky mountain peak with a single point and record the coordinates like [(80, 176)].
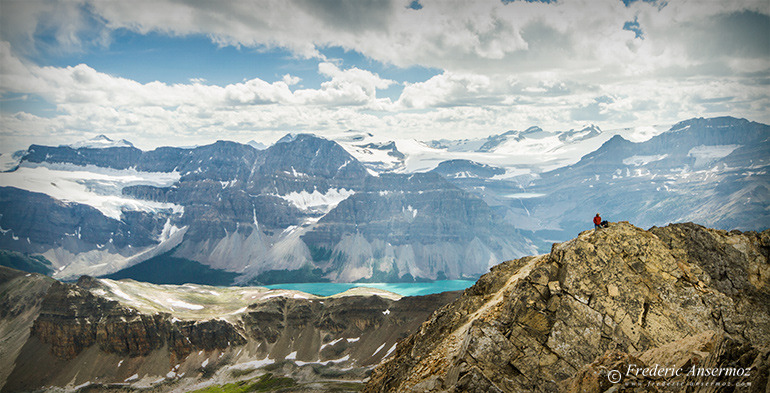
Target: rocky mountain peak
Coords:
[(257, 145), (584, 133), (681, 296), (459, 168), (710, 122), (311, 155), (100, 141)]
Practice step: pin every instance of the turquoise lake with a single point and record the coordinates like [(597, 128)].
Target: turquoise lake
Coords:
[(401, 288)]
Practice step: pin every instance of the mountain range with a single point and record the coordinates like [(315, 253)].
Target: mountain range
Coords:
[(362, 207), (582, 318)]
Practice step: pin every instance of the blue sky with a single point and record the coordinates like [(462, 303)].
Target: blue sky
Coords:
[(182, 73), (159, 57)]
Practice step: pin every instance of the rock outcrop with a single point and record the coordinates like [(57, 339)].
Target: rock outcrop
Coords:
[(72, 319), (67, 335), (21, 295), (596, 312)]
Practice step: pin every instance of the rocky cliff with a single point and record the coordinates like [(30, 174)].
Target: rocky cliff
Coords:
[(606, 311), (21, 296), (108, 334)]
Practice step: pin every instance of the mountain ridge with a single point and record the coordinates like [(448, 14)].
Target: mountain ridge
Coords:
[(125, 334), (620, 298), (604, 299), (232, 207), (309, 203)]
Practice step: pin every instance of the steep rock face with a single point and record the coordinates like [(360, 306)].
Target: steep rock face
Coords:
[(49, 221), (360, 328), (112, 157), (743, 367), (21, 296), (418, 225), (316, 160), (72, 319), (534, 324), (81, 335)]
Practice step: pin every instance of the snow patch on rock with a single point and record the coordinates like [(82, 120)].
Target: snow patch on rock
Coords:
[(316, 201), (100, 188), (643, 160)]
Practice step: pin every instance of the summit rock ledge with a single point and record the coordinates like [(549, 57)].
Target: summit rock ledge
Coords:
[(621, 297)]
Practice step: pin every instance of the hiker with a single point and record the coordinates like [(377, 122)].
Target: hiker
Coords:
[(597, 222)]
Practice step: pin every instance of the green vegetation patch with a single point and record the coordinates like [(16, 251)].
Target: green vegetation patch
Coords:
[(239, 373), (166, 269), (344, 387), (265, 383), (302, 275), (27, 263), (320, 254)]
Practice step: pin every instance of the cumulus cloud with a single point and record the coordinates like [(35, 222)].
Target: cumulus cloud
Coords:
[(346, 87), (451, 89), (291, 80), (502, 65), (87, 100), (455, 35)]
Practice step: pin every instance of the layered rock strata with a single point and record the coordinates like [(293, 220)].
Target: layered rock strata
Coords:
[(77, 335), (573, 319)]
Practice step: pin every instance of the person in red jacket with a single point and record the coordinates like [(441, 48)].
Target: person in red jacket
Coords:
[(597, 222)]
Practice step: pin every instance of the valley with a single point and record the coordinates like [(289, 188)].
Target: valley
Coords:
[(100, 334), (679, 296), (178, 269), (398, 196)]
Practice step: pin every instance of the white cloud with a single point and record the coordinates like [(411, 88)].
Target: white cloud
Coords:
[(450, 104), (56, 26), (89, 101), (502, 66), (346, 87), (454, 35), (291, 80), (448, 89)]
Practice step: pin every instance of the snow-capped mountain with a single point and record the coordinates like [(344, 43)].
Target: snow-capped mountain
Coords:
[(364, 207), (303, 205), (376, 153), (530, 151), (458, 169), (710, 171), (100, 142)]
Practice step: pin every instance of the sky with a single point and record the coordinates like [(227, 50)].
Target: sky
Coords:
[(183, 73)]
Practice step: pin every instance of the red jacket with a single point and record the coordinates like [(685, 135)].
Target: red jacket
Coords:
[(597, 220)]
